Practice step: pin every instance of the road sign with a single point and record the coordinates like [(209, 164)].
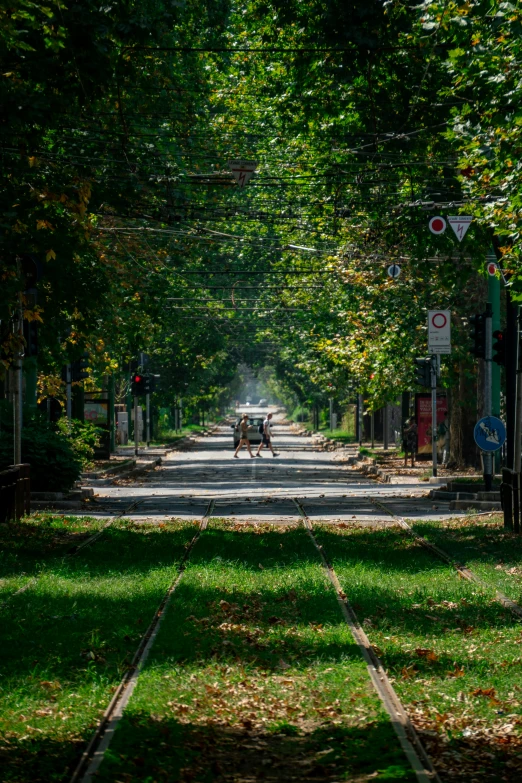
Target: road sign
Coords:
[(489, 433), (492, 268), (439, 331), (460, 224), (394, 271), (242, 170), (437, 225)]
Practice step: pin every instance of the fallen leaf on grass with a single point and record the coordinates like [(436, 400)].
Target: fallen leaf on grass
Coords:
[(484, 692), (423, 652)]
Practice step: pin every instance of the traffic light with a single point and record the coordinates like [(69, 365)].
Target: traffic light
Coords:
[(499, 347), (138, 384), (478, 334), (150, 383), (79, 369), (423, 372)]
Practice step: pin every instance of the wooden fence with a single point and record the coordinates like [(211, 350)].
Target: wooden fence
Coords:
[(15, 492)]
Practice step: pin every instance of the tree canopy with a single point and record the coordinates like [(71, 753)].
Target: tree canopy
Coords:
[(364, 120)]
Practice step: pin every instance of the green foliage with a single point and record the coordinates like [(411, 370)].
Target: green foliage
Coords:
[(83, 438), (55, 464)]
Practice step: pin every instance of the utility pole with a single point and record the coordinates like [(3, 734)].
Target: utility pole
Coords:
[(385, 433), (360, 417), (136, 427), (372, 428), (330, 401), (433, 371), (68, 390), (17, 385), (487, 457), (147, 414)]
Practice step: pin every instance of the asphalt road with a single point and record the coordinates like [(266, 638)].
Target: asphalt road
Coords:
[(263, 489)]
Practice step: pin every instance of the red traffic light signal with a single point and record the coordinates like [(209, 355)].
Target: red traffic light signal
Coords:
[(499, 347)]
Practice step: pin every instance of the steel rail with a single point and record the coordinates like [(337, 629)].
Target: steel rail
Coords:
[(461, 569), (93, 754), (400, 720)]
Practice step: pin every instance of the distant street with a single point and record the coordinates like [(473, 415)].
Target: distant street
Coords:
[(264, 488)]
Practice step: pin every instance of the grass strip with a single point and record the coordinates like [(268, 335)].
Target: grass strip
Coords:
[(67, 640), (454, 654), (254, 675), (29, 545), (484, 545)]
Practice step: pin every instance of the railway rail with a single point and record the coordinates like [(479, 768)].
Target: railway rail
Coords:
[(404, 729), (93, 755), (463, 571)]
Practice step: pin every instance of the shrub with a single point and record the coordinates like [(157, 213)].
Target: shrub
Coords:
[(55, 465), (82, 436)]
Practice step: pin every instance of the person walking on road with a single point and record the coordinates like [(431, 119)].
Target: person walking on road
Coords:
[(409, 441), (267, 435), (243, 436)]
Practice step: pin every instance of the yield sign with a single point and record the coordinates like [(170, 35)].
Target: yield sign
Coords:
[(460, 224), (242, 170)]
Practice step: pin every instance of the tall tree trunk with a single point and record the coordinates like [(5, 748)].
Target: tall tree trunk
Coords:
[(462, 400)]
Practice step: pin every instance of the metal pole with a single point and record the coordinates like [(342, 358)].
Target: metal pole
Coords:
[(331, 411), (518, 435), (136, 427), (385, 433), (360, 411), (147, 414), (518, 432), (487, 458), (68, 389), (433, 366), (494, 299), (17, 382), (372, 428)]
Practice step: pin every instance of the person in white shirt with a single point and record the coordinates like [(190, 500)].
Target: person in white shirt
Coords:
[(267, 436)]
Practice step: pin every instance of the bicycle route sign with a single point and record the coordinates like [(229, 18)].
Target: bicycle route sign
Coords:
[(489, 433)]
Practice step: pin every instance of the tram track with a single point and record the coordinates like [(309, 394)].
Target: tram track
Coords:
[(399, 718), (462, 570), (94, 753)]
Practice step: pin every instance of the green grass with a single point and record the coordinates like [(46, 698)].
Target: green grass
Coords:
[(342, 435), (455, 654), (254, 675), (68, 638), (481, 543)]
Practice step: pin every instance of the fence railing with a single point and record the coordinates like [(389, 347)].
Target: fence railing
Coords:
[(15, 492)]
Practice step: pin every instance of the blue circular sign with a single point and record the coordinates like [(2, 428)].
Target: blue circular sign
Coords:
[(489, 433)]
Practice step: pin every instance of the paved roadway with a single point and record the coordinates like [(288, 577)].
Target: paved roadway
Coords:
[(263, 489)]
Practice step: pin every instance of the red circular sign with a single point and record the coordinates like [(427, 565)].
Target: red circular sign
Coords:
[(437, 225), (439, 320), (492, 268)]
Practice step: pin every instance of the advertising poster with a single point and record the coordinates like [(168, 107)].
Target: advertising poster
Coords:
[(423, 416), (96, 411)]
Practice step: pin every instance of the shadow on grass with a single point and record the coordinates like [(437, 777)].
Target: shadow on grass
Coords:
[(166, 750), (81, 614), (488, 543)]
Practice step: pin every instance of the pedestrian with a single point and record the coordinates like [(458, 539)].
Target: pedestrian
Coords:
[(243, 436), (267, 436), (409, 441)]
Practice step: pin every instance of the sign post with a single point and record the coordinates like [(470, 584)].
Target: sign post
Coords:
[(439, 342), (488, 462)]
